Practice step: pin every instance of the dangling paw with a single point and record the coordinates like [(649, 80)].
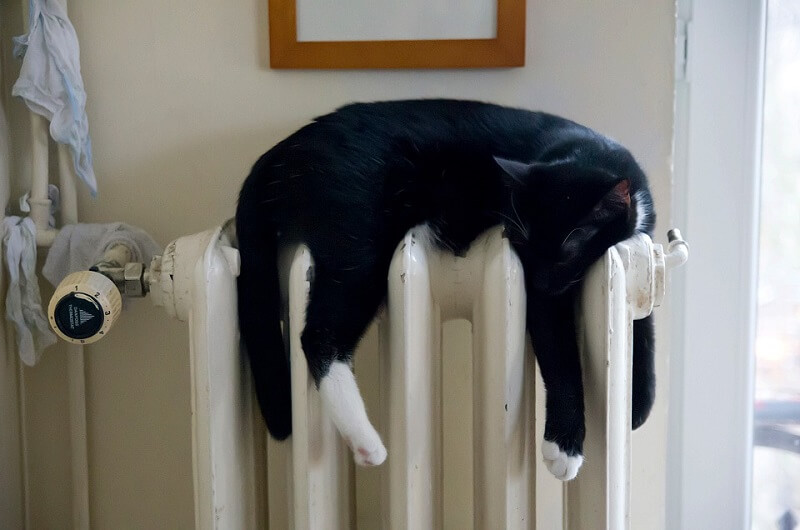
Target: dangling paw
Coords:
[(368, 451), (560, 464), (365, 457), (343, 403)]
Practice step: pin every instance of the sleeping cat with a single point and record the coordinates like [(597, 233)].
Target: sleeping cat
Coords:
[(350, 185)]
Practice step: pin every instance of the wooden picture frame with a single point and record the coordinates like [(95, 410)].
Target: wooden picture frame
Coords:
[(507, 49)]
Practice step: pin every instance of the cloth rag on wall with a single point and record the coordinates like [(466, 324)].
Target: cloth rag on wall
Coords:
[(23, 301), (78, 247), (50, 81)]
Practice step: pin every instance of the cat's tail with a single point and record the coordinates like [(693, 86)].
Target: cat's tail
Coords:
[(259, 317)]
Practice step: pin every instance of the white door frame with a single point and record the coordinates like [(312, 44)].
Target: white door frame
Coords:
[(715, 197)]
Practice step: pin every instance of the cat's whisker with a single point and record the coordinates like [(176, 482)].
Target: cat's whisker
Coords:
[(578, 229), (519, 219), (515, 224)]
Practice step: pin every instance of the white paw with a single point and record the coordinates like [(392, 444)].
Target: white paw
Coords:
[(561, 465), (342, 401), (371, 453)]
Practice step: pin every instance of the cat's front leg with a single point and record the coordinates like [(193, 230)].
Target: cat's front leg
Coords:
[(551, 323)]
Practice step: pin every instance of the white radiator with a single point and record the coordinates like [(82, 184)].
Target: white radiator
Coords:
[(310, 478)]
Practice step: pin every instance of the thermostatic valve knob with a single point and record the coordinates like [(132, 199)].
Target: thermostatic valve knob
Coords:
[(84, 307)]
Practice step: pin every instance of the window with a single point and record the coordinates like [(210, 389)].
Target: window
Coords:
[(776, 436), (717, 161)]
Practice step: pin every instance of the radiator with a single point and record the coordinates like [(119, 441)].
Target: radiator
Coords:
[(243, 480)]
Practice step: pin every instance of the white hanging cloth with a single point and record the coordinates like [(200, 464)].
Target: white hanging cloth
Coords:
[(50, 81), (23, 300)]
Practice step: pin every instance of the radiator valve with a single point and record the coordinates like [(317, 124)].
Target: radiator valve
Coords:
[(84, 307), (86, 304)]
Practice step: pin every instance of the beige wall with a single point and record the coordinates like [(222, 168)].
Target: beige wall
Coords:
[(181, 103)]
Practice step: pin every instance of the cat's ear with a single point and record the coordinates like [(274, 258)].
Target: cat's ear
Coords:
[(616, 201), (515, 172), (614, 204)]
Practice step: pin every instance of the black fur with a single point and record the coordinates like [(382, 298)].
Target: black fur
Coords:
[(352, 183)]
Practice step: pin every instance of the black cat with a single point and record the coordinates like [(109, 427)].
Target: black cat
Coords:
[(353, 182)]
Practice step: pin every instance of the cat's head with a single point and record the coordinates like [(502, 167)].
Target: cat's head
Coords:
[(562, 216)]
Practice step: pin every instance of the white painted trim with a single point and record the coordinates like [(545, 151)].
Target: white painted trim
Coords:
[(717, 161)]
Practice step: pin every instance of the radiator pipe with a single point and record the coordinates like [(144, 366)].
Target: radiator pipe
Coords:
[(677, 250)]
